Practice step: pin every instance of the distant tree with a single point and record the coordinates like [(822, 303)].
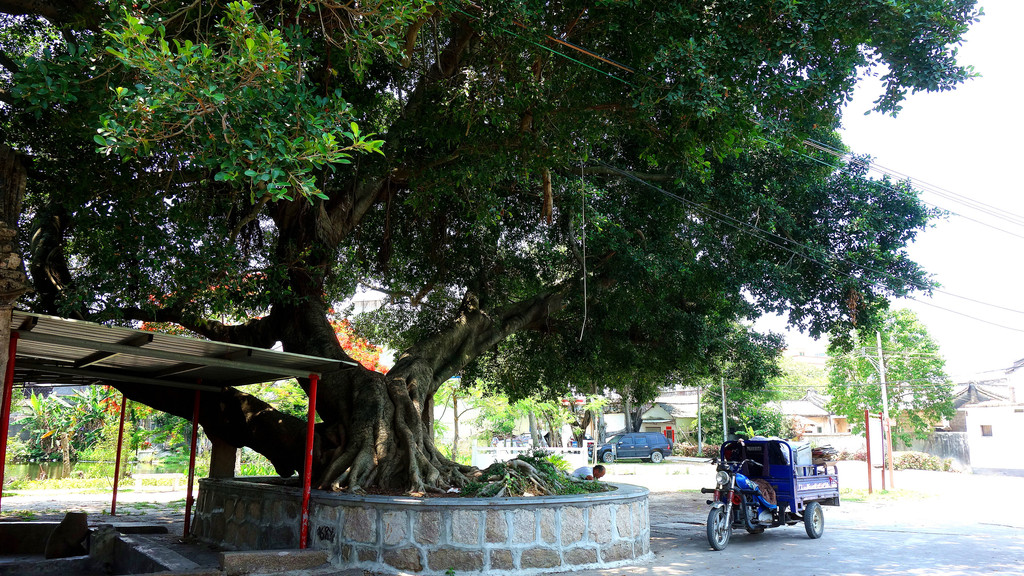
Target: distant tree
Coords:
[(460, 397), (748, 412), (918, 389), (497, 418), (585, 414), (797, 378)]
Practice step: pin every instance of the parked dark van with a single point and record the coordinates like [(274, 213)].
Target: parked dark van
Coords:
[(643, 445)]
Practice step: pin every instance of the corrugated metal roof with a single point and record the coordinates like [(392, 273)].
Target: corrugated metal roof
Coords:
[(680, 410), (55, 350), (801, 408)]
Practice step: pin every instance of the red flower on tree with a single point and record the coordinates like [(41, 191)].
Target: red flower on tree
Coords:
[(357, 348)]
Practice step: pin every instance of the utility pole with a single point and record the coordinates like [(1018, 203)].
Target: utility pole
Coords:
[(887, 461)]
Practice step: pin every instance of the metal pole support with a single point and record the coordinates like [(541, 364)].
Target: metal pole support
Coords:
[(308, 465)]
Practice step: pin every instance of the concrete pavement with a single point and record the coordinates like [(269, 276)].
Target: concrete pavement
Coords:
[(933, 523)]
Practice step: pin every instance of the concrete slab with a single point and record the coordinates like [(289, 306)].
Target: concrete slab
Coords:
[(271, 561)]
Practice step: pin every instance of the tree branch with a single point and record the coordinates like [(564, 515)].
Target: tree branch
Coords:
[(256, 332), (641, 175), (238, 418), (7, 62), (475, 331), (57, 12)]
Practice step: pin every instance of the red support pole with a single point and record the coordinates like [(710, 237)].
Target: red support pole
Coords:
[(191, 465), (867, 442), (117, 459), (308, 466), (5, 410)]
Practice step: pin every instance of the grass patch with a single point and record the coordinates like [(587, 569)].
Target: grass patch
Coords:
[(141, 505), (24, 515), (861, 495)]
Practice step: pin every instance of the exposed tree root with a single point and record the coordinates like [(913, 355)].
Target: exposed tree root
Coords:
[(528, 475)]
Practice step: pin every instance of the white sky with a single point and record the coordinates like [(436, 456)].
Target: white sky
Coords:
[(963, 142)]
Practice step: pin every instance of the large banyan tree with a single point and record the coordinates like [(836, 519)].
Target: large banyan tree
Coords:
[(562, 188)]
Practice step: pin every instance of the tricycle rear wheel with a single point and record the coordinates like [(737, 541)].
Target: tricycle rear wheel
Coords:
[(719, 528), (814, 520)]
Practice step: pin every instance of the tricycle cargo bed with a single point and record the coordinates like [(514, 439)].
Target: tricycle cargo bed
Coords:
[(817, 484)]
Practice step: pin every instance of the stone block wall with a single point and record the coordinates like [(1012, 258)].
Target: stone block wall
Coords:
[(432, 535)]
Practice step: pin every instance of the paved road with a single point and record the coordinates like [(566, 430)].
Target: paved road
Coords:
[(942, 523)]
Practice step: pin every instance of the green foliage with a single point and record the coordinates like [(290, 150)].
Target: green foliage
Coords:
[(613, 227), (255, 464), (195, 99), (559, 462), (255, 469), (761, 420), (797, 378), (285, 395), (82, 417), (105, 449), (497, 418), (918, 389), (464, 456)]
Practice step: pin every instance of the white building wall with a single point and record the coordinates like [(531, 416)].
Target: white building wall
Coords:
[(994, 433)]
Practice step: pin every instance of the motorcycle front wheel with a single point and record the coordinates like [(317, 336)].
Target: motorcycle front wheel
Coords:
[(719, 528)]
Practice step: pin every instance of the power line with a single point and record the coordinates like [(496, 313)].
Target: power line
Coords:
[(759, 234), (987, 225), (919, 286), (988, 209), (959, 198), (737, 224), (998, 213)]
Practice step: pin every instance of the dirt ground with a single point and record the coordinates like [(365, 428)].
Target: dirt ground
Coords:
[(923, 503), (674, 488), (147, 507)]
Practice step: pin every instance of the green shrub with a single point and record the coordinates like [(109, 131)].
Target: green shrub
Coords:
[(690, 450), (559, 462), (917, 461)]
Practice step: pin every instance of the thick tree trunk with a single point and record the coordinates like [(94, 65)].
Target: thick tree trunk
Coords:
[(627, 410), (13, 282), (534, 436), (377, 429)]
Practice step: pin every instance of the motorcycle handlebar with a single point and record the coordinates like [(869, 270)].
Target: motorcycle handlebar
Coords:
[(740, 463)]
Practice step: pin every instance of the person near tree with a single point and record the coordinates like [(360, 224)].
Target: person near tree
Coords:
[(588, 473)]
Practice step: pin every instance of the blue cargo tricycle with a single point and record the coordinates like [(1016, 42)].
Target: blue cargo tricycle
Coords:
[(764, 483)]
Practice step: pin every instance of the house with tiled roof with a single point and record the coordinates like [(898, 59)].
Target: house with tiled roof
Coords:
[(673, 414), (810, 414)]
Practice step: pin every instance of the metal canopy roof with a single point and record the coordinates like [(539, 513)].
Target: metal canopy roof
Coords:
[(55, 350)]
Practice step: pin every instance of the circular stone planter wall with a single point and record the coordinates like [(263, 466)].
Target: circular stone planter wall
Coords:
[(431, 535)]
